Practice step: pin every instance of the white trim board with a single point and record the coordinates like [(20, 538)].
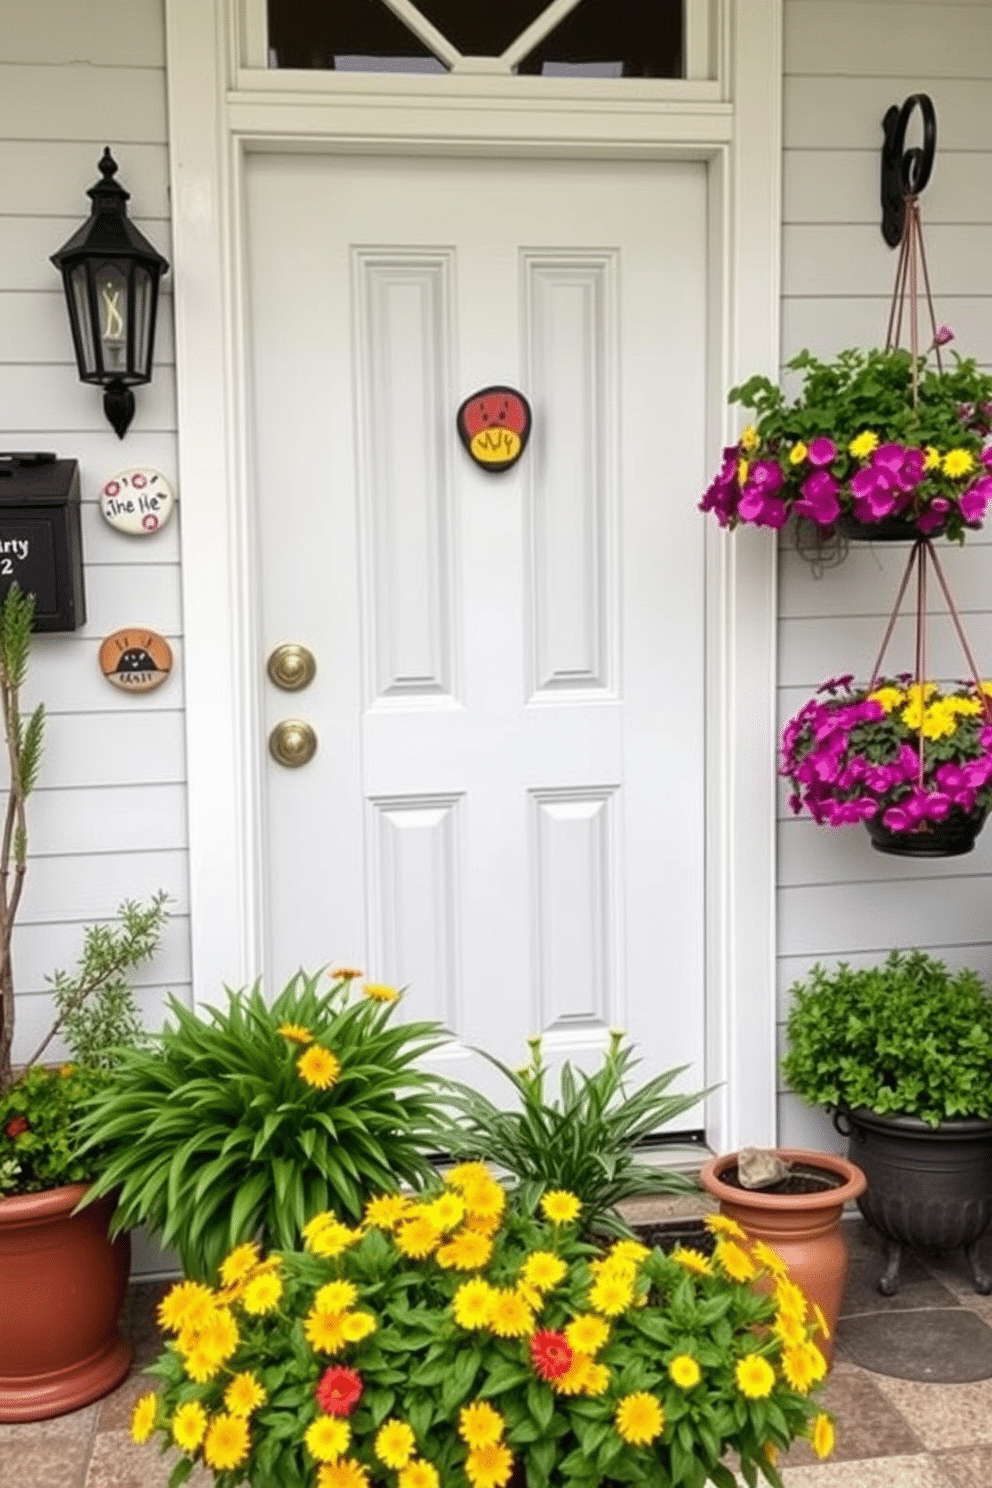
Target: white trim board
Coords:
[(213, 122)]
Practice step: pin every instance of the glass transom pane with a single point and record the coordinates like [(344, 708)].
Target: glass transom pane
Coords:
[(600, 38), (344, 36)]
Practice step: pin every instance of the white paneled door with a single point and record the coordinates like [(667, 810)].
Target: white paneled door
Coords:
[(505, 808)]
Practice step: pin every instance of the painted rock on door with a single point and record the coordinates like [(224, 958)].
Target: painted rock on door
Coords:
[(494, 426)]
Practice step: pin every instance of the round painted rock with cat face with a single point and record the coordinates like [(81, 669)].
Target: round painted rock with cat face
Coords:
[(494, 426), (136, 659)]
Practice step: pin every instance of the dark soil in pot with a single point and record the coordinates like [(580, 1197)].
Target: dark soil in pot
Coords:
[(802, 1180)]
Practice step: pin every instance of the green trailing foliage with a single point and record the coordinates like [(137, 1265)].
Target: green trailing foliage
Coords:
[(908, 1037), (214, 1136), (97, 1018), (584, 1138)]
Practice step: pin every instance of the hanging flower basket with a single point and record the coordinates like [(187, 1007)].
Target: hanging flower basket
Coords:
[(852, 755), (853, 449), (881, 443)]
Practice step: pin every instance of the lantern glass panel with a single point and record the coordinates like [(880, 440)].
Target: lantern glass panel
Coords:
[(111, 297), (82, 323), (143, 306)]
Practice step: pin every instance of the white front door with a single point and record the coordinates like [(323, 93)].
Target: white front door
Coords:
[(505, 809)]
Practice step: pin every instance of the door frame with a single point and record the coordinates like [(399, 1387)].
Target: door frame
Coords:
[(218, 113)]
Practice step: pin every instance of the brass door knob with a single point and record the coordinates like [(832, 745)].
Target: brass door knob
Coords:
[(291, 666), (292, 743)]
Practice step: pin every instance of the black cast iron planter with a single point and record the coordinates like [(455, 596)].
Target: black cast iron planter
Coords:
[(928, 1187)]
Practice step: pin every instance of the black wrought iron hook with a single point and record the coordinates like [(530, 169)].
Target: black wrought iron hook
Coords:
[(905, 172)]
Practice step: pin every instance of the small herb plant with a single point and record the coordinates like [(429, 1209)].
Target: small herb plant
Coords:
[(872, 434), (248, 1120), (584, 1138), (97, 1019), (461, 1340), (908, 1037)]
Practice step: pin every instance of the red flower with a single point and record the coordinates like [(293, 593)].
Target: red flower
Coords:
[(551, 1355), (339, 1390), (15, 1126)]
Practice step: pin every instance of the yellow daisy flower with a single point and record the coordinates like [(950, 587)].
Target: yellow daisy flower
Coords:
[(957, 462), (379, 992), (932, 459), (417, 1237), (296, 1033), (560, 1206), (749, 438), (319, 1067), (201, 1366), (823, 1435), (543, 1270), (345, 1473), (639, 1418), (755, 1376), (587, 1333), (239, 1263), (244, 1394), (394, 1443), (324, 1331), (791, 1331), (470, 1172), (472, 1304), (480, 1425), (446, 1212), (327, 1438), (510, 1316), (262, 1293), (735, 1261), (357, 1325), (345, 974), (768, 1259), (790, 1298), (484, 1199), (143, 1417), (489, 1467), (742, 471), (797, 453), (189, 1426), (722, 1224), (418, 1474), (863, 445), (611, 1295), (692, 1260), (185, 1304), (465, 1252), (336, 1296), (330, 1238), (888, 698), (226, 1443), (594, 1378), (386, 1211), (685, 1371), (630, 1250)]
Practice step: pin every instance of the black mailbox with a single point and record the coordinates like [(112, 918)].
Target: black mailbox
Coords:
[(40, 544)]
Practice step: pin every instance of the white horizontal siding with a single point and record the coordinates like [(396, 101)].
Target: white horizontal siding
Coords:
[(107, 821), (847, 62)]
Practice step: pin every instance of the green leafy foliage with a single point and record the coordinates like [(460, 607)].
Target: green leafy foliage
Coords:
[(583, 1138), (39, 1147), (96, 1015), (450, 1353), (906, 1037), (214, 1136)]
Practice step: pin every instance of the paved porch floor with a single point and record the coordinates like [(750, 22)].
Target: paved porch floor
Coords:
[(892, 1431)]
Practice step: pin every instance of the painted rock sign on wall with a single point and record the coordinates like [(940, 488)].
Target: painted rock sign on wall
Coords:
[(137, 501), (494, 426), (136, 659)]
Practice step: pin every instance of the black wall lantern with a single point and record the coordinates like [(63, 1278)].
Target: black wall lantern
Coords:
[(110, 273)]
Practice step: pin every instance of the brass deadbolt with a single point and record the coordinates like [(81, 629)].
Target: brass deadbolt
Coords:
[(292, 743), (291, 667)]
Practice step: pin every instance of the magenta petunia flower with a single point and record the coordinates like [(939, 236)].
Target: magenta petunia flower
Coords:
[(821, 450)]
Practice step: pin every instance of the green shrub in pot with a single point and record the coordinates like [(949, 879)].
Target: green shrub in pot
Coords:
[(907, 1037)]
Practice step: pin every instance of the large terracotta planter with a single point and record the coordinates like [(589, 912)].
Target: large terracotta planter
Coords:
[(62, 1285), (803, 1228)]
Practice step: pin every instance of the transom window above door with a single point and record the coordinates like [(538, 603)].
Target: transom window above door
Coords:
[(566, 38)]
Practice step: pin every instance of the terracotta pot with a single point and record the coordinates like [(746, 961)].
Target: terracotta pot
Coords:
[(803, 1228), (62, 1284)]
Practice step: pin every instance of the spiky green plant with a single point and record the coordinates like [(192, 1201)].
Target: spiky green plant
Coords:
[(584, 1139), (245, 1122), (24, 740)]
